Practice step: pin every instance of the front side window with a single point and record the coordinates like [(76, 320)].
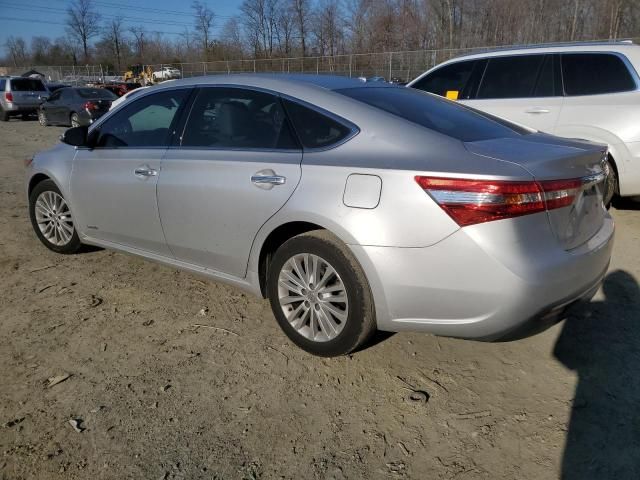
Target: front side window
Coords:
[(236, 118), (595, 73), (510, 77), (314, 129), (451, 78), (145, 122), (27, 85)]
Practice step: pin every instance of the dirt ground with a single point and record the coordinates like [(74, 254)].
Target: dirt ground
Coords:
[(159, 397)]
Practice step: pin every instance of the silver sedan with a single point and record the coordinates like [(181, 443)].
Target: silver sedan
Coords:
[(351, 206)]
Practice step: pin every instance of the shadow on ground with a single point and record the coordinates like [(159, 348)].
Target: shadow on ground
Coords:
[(601, 342)]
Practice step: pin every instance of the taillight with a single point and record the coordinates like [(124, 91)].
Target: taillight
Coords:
[(470, 201), (90, 106), (8, 96)]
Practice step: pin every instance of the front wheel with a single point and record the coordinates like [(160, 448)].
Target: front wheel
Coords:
[(320, 295), (42, 118), (51, 218)]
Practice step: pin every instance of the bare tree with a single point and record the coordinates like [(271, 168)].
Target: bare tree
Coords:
[(114, 35), (138, 34), (301, 12), (204, 18), (83, 23), (17, 49)]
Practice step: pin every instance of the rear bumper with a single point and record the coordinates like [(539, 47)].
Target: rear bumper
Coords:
[(469, 288), (13, 108)]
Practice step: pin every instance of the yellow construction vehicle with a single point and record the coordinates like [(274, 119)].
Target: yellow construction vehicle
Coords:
[(139, 73)]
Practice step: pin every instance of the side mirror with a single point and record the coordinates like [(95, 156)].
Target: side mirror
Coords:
[(76, 136)]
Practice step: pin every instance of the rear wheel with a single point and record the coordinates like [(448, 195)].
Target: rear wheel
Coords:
[(75, 120), (4, 116), (51, 218), (612, 188), (320, 295)]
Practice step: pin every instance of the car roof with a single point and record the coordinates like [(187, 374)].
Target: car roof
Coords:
[(277, 81)]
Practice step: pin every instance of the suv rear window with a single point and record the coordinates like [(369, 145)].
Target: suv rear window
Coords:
[(3, 83), (27, 85), (435, 113), (510, 77), (595, 73)]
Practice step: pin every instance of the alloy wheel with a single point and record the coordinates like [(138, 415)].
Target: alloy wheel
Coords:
[(313, 297), (54, 218), (42, 119)]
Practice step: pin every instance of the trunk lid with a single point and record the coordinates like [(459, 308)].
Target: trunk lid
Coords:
[(548, 159)]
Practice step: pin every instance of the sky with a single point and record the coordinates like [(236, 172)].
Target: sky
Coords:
[(47, 17)]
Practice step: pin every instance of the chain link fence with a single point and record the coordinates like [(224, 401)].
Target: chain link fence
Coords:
[(397, 66)]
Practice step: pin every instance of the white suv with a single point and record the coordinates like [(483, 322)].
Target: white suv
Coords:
[(588, 90)]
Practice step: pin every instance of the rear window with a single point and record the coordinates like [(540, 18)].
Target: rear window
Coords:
[(435, 113), (27, 85), (3, 83), (595, 73), (96, 93)]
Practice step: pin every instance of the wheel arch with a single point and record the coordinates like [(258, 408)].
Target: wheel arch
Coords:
[(36, 179)]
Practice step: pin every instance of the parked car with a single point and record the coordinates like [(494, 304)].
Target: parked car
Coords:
[(588, 90), (52, 87), (20, 96), (166, 73), (351, 206), (75, 106)]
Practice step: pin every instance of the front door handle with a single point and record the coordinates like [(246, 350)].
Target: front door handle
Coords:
[(267, 179), (537, 110), (145, 171)]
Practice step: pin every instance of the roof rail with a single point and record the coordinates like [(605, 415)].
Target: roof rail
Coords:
[(554, 44)]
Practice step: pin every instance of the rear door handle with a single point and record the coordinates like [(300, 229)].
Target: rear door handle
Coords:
[(537, 110), (266, 179), (145, 171)]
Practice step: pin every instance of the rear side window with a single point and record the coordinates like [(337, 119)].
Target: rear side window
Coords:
[(237, 118), (595, 73), (27, 85), (314, 129), (437, 114), (146, 122), (510, 77), (450, 78)]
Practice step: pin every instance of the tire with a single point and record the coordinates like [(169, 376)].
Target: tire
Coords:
[(74, 119), (42, 118), (55, 235), (4, 116), (312, 325), (612, 188)]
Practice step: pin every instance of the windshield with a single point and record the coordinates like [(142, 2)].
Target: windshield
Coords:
[(100, 93), (435, 113), (27, 85)]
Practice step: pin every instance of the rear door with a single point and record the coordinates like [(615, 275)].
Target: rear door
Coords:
[(28, 92), (525, 89), (235, 165)]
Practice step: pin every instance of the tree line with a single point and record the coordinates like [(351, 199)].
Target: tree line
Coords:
[(302, 28)]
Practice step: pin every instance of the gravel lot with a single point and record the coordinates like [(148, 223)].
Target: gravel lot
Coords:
[(160, 397)]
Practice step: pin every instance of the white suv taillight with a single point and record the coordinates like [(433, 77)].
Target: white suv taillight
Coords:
[(471, 201)]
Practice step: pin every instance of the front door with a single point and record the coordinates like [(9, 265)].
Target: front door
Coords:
[(236, 165), (113, 186)]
